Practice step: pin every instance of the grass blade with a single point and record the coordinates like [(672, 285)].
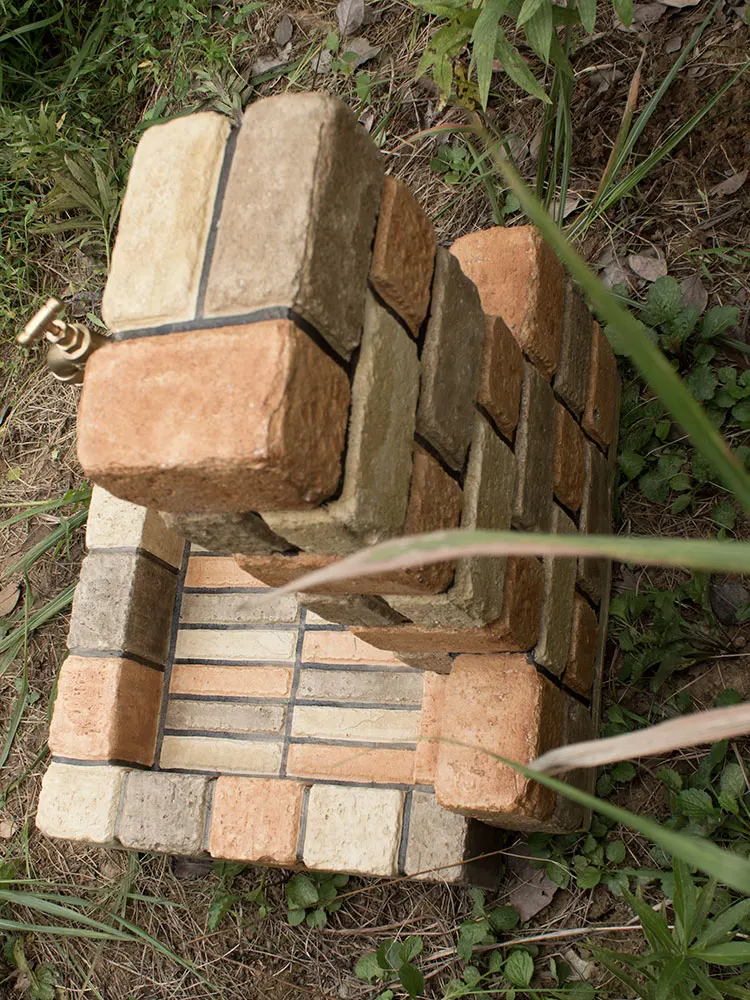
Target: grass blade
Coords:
[(61, 532)]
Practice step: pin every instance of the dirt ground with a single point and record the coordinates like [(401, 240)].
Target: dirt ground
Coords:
[(251, 957)]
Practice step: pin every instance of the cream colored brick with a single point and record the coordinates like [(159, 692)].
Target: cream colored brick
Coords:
[(204, 753), (80, 803), (115, 523), (164, 223), (276, 646), (437, 838), (353, 829), (367, 725)]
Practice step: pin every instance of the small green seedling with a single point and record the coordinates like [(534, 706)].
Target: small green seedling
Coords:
[(310, 898)]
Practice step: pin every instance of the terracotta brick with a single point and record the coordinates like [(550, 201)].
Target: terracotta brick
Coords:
[(520, 279), (380, 687), (343, 647), (451, 360), (106, 709), (568, 461), (439, 663), (271, 645), (363, 725), (579, 673), (516, 629), (246, 532), (115, 523), (244, 682), (377, 471), (381, 766), (256, 820), (216, 571), (475, 598), (603, 398), (572, 378), (163, 812), (501, 375), (353, 829), (595, 517), (221, 756), (165, 218), (239, 609), (430, 728), (123, 603), (80, 803), (499, 705), (305, 243), (535, 454), (351, 609), (557, 602), (403, 257), (268, 433)]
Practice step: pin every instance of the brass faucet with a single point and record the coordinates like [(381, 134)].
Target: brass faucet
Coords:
[(71, 344)]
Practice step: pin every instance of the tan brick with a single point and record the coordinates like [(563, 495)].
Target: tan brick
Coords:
[(438, 663), (595, 517), (502, 371), (80, 803), (115, 523), (256, 820), (268, 433), (163, 812), (265, 645), (238, 609), (244, 682), (353, 829), (603, 398), (451, 360), (515, 630), (403, 257), (216, 571), (557, 603), (246, 532), (343, 647), (572, 378), (499, 705), (430, 728), (164, 223), (579, 672), (476, 596), (377, 469), (106, 709), (381, 766), (364, 725), (221, 756), (520, 279), (123, 603), (224, 717), (305, 243), (382, 687), (568, 461), (350, 609), (535, 451)]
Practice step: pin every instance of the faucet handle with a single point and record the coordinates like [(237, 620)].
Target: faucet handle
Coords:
[(45, 323)]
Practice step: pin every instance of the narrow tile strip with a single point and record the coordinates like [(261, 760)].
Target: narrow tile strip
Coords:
[(170, 653)]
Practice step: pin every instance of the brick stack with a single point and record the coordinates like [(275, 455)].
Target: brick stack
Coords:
[(299, 372)]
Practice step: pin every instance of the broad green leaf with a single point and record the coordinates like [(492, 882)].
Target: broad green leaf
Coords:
[(719, 320), (702, 382), (516, 68), (411, 947), (294, 917), (220, 905), (624, 10), (733, 780), (616, 851), (631, 463), (528, 9), (664, 301), (539, 30), (368, 968), (695, 803), (671, 778), (731, 953), (301, 891), (681, 482), (483, 39), (588, 877), (411, 979), (587, 10), (669, 465), (316, 918), (685, 902), (724, 514), (503, 918), (724, 924), (654, 925), (519, 968)]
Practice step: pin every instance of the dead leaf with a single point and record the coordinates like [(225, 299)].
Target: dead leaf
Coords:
[(615, 274), (321, 64), (579, 966), (694, 292), (603, 79), (284, 29), (8, 828), (648, 268), (9, 595), (350, 14), (673, 43), (266, 63), (572, 201), (535, 889), (730, 185), (648, 13), (361, 49)]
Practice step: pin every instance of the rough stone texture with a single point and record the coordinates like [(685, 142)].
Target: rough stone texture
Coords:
[(370, 686), (298, 221), (256, 820), (238, 609), (368, 725), (123, 602), (451, 360), (501, 375), (164, 223), (579, 673), (246, 532), (520, 279), (351, 609), (377, 469), (403, 257), (439, 663), (115, 523), (216, 572), (438, 840), (163, 812), (240, 417), (376, 765), (535, 449), (595, 518), (225, 717), (568, 461), (502, 705), (353, 829), (80, 803), (106, 709), (515, 630), (221, 756), (572, 378), (476, 596), (557, 603), (231, 682), (603, 398), (430, 728)]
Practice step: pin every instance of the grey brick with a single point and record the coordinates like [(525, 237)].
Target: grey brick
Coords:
[(535, 448), (164, 812)]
